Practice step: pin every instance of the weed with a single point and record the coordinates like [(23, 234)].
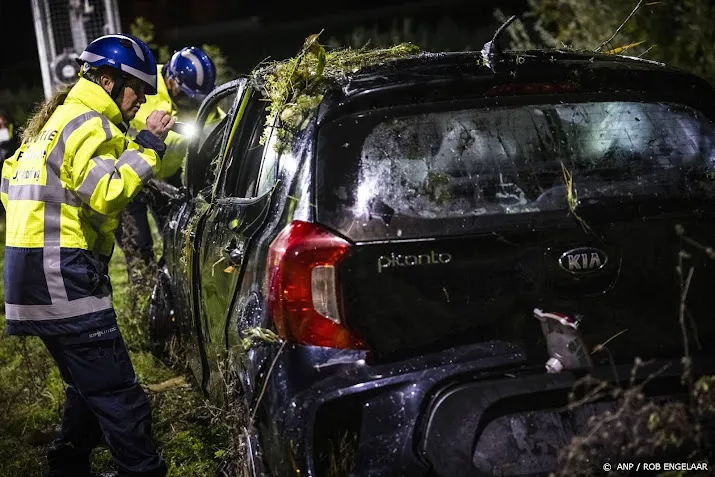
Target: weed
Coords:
[(32, 394), (133, 300), (572, 197), (643, 429), (342, 454), (231, 418)]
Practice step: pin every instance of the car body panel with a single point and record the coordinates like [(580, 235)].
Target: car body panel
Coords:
[(225, 235), (180, 236), (452, 323)]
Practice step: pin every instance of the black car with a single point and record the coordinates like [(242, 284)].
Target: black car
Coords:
[(441, 246)]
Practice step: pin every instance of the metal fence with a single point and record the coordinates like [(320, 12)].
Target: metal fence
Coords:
[(63, 29)]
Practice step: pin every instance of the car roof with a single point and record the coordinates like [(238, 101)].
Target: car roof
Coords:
[(413, 77), (593, 72), (472, 62)]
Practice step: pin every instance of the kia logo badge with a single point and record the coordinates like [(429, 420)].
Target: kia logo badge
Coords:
[(583, 260)]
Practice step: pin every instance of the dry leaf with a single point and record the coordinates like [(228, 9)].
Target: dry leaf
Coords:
[(168, 384)]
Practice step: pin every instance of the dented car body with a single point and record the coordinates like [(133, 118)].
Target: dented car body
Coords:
[(403, 242)]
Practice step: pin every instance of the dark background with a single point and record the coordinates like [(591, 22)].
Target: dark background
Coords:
[(249, 32)]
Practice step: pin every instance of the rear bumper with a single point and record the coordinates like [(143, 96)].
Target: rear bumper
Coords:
[(419, 417), (517, 426)]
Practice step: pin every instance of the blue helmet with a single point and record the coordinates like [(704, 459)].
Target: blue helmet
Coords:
[(124, 52), (194, 71)]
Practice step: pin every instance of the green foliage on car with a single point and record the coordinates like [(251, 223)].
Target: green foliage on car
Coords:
[(295, 87)]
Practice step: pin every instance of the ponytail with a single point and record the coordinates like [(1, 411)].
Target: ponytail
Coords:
[(43, 112)]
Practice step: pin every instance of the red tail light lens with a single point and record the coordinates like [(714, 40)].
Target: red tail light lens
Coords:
[(302, 289)]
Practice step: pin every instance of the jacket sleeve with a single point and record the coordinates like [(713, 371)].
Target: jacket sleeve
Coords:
[(104, 181), (176, 145), (8, 170)]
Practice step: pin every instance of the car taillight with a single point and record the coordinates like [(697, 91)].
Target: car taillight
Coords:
[(517, 89), (302, 287)]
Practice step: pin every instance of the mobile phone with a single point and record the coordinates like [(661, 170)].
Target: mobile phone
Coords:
[(185, 129)]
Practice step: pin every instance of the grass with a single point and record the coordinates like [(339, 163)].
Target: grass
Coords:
[(645, 430), (32, 395)]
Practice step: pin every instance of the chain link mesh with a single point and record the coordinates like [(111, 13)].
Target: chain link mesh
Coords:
[(65, 28)]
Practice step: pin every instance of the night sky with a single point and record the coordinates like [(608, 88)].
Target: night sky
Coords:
[(20, 67), (19, 62)]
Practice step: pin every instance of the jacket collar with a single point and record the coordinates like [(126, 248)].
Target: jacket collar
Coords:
[(96, 98)]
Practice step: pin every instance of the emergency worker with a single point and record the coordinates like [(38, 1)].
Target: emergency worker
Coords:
[(182, 85), (63, 190)]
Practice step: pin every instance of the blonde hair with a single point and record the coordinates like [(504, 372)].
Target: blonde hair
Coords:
[(43, 112)]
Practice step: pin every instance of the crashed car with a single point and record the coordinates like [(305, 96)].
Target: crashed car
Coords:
[(411, 280)]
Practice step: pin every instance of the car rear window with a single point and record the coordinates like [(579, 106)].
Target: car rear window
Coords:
[(409, 175)]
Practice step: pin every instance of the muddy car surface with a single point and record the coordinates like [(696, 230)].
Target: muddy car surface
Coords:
[(427, 239)]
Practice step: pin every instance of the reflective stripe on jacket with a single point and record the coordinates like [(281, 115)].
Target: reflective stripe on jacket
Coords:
[(176, 144), (62, 192)]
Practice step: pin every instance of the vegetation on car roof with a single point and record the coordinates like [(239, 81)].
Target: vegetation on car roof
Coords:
[(295, 87)]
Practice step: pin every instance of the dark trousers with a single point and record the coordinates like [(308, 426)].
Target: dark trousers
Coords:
[(134, 233), (103, 398)]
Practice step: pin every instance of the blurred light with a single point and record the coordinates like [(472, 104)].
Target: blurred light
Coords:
[(185, 129)]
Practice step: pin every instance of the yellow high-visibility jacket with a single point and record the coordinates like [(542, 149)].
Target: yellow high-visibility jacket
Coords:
[(62, 192), (176, 144)]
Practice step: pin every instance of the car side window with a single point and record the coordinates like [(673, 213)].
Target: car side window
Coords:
[(269, 168), (202, 173), (200, 168), (245, 152)]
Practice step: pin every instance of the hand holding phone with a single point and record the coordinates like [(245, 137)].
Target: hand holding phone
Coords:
[(185, 129)]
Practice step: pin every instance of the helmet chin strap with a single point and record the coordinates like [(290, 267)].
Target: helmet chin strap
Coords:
[(117, 88), (118, 83)]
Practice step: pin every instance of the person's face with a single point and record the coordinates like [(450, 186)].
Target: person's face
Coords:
[(131, 97), (5, 129), (173, 87), (183, 102)]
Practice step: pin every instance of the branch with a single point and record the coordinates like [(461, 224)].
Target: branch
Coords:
[(646, 51), (618, 30), (265, 382), (685, 287)]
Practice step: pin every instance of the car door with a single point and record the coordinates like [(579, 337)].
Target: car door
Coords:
[(198, 180), (235, 213)]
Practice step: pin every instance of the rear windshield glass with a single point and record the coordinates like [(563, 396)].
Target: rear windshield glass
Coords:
[(396, 175)]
